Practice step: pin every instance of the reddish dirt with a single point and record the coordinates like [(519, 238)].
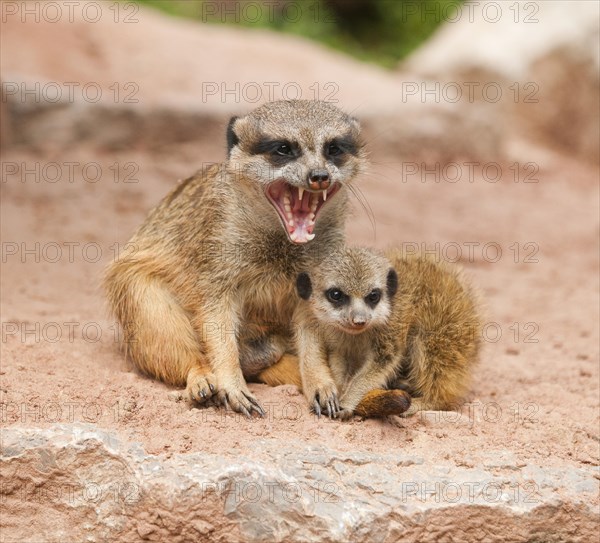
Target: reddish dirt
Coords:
[(532, 249), (535, 391)]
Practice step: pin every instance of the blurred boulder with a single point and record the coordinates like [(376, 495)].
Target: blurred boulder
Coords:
[(5, 130), (542, 56), (181, 81)]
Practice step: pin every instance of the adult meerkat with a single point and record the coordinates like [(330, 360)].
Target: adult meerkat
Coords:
[(206, 299), (371, 322)]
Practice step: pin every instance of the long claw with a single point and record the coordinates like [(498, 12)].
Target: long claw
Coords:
[(255, 405), (330, 409), (212, 387), (245, 412), (317, 408)]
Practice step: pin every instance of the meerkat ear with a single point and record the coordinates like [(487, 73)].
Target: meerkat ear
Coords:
[(392, 282), (232, 138), (304, 286)]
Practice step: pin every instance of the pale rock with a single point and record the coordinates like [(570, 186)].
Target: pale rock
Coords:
[(102, 488)]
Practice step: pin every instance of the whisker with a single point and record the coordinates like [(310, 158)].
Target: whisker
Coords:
[(390, 165), (379, 133), (360, 197), (379, 175)]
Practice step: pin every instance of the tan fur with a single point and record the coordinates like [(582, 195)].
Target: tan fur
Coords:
[(376, 403), (383, 403), (285, 372), (425, 341), (436, 311), (209, 286)]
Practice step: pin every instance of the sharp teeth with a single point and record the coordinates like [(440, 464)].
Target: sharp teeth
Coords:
[(314, 200), (311, 217), (310, 237), (293, 236), (324, 195), (290, 222), (287, 207), (300, 193)]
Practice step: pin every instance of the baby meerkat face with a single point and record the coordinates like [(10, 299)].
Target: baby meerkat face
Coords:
[(352, 291), (301, 153)]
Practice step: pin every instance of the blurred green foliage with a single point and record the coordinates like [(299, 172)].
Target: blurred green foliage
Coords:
[(380, 31)]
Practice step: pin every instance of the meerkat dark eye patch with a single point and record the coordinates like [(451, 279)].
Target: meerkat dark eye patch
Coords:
[(304, 286), (232, 138), (336, 297), (277, 151), (392, 282), (333, 149), (373, 298), (337, 148)]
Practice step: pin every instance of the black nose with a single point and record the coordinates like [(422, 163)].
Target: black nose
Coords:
[(318, 179)]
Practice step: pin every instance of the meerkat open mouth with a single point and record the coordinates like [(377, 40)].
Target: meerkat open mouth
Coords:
[(298, 208)]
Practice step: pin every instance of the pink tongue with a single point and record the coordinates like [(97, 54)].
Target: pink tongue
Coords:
[(301, 232)]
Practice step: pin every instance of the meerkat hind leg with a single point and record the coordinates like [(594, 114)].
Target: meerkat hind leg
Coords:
[(261, 353), (438, 377), (381, 403), (415, 406), (161, 341), (284, 372), (370, 377)]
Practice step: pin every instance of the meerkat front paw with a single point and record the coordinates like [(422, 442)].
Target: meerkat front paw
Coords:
[(324, 399), (240, 400), (201, 386)]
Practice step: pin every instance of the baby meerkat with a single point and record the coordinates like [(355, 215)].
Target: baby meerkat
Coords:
[(207, 296), (399, 322)]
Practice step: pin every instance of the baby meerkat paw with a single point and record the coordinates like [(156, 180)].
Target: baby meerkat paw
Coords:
[(201, 386), (325, 400), (240, 400)]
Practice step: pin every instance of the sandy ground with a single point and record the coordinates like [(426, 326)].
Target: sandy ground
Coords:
[(531, 249), (525, 231)]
